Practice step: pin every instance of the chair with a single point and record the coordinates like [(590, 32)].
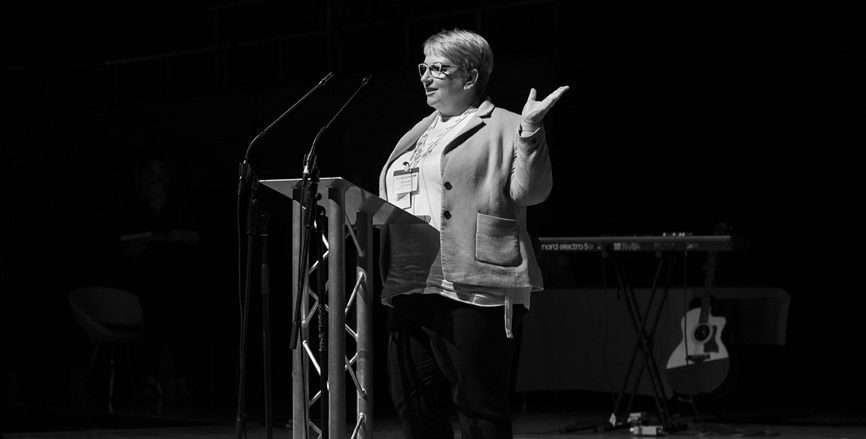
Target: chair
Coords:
[(110, 317)]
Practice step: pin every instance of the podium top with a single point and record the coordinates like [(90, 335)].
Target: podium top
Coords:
[(355, 200)]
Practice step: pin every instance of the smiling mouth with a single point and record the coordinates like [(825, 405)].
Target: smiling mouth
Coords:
[(430, 91)]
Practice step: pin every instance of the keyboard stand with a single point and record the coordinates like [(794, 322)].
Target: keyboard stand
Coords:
[(643, 345), (645, 324)]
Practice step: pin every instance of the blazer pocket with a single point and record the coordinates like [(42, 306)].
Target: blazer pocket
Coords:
[(496, 241)]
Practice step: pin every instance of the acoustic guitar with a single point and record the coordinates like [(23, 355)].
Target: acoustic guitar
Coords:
[(700, 363)]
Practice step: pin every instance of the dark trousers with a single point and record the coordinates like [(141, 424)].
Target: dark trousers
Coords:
[(444, 354)]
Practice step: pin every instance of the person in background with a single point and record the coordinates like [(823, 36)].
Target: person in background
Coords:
[(161, 247), (459, 285)]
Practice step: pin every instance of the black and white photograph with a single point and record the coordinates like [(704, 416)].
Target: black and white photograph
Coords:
[(476, 219)]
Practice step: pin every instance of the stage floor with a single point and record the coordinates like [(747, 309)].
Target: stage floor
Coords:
[(800, 425)]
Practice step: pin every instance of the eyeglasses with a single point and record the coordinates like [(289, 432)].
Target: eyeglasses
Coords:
[(437, 70)]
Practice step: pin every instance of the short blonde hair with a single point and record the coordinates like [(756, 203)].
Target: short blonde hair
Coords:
[(465, 48)]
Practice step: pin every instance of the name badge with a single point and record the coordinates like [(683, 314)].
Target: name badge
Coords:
[(405, 184)]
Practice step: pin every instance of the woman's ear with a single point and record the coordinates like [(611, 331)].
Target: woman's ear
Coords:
[(471, 79)]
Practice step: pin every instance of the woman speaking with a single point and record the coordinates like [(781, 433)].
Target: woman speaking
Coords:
[(469, 170)]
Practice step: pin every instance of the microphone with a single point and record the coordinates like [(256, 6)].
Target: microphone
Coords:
[(302, 99), (309, 181), (310, 159), (245, 171)]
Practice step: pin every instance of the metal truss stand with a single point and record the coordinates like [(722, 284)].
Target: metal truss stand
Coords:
[(337, 308), (351, 213)]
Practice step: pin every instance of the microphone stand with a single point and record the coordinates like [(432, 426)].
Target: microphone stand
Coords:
[(248, 183), (263, 220), (309, 195)]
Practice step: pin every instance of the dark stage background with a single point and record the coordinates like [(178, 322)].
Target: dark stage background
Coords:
[(680, 116)]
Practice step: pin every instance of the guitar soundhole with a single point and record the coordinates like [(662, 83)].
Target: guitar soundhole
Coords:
[(702, 331)]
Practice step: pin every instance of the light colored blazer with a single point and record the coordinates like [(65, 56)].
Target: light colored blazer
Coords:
[(490, 174)]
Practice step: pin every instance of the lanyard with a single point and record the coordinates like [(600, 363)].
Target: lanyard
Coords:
[(422, 148)]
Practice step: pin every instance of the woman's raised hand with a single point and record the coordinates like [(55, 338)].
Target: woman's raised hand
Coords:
[(534, 110)]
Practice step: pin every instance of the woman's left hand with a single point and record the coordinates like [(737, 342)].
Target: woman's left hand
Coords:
[(534, 110)]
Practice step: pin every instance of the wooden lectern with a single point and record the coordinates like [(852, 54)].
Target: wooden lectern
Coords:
[(348, 209)]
